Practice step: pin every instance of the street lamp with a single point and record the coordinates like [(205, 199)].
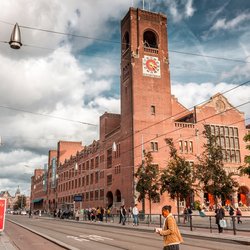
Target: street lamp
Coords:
[(15, 38)]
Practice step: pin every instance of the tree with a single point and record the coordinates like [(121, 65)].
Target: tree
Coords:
[(147, 176), (20, 203), (177, 178), (210, 171), (246, 168)]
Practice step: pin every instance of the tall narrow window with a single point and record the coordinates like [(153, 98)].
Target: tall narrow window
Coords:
[(152, 110)]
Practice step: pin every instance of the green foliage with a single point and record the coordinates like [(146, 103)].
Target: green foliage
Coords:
[(246, 168), (210, 170), (147, 176), (197, 205), (177, 178)]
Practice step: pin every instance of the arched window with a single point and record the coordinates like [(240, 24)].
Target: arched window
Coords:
[(125, 42), (150, 39)]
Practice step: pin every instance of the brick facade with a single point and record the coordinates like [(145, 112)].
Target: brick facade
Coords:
[(149, 114)]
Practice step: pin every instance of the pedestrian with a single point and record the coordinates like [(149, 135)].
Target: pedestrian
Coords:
[(238, 214), (185, 212), (30, 213), (135, 212), (219, 215), (120, 215), (123, 213), (189, 213), (170, 232)]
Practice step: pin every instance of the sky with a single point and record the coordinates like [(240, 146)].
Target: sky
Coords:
[(59, 83)]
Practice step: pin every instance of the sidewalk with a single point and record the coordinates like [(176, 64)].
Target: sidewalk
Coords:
[(199, 233), (5, 242)]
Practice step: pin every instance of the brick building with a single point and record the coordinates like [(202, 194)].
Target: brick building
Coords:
[(102, 173)]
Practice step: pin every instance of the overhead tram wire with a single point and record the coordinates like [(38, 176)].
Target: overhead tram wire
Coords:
[(121, 43), (51, 116), (182, 112), (180, 128), (189, 137)]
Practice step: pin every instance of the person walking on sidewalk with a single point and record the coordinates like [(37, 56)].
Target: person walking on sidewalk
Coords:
[(123, 212), (135, 212), (170, 232), (219, 215), (238, 214)]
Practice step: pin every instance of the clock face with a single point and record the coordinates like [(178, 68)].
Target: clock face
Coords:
[(151, 66)]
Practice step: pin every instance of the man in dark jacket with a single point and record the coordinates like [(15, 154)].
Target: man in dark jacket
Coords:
[(219, 215)]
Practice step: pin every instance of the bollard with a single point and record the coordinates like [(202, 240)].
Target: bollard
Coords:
[(234, 227), (210, 224)]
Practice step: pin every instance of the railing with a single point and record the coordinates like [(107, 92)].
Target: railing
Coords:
[(183, 125), (151, 50), (193, 222)]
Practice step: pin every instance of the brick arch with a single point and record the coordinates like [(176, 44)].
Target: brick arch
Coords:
[(243, 194)]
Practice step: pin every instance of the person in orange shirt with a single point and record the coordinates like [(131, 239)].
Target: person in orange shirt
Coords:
[(170, 231)]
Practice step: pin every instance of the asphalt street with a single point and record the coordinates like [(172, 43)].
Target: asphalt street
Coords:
[(95, 236)]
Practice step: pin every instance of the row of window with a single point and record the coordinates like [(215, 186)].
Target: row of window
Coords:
[(186, 146), (224, 131), (87, 196), (88, 180)]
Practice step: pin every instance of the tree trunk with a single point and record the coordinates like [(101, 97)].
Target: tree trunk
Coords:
[(149, 209), (178, 207)]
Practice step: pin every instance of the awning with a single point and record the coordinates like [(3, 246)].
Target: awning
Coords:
[(37, 200)]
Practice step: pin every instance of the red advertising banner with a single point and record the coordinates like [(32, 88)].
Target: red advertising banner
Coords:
[(2, 213)]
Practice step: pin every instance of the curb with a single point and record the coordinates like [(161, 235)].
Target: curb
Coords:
[(57, 242)]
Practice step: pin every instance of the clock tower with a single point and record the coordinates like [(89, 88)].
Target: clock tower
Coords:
[(145, 84), (145, 77)]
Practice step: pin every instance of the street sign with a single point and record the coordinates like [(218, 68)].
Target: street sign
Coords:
[(78, 198), (2, 213)]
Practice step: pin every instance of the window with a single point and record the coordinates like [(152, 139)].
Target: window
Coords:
[(154, 146), (87, 196), (87, 180), (109, 179), (191, 147), (92, 163), (97, 162), (96, 194), (185, 146), (118, 169), (152, 110), (96, 177), (91, 194), (92, 178), (237, 156), (101, 194), (149, 39), (229, 143), (109, 158), (181, 146), (125, 42), (83, 181)]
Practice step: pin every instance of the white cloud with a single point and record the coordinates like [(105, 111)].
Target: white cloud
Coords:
[(223, 24), (198, 93), (180, 10)]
